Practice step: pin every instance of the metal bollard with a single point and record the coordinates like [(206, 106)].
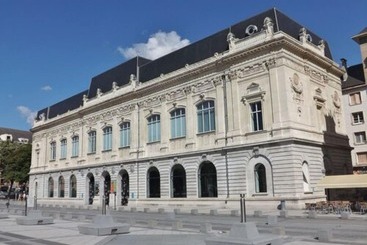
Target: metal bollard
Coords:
[(25, 206), (103, 205)]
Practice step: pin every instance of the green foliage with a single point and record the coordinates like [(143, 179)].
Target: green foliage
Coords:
[(15, 161)]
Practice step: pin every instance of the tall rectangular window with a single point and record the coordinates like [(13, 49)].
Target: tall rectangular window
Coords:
[(107, 138), (206, 116), (92, 140), (125, 134), (355, 98), (178, 123), (75, 146), (154, 128), (360, 137), (358, 117), (53, 150), (63, 149), (256, 116)]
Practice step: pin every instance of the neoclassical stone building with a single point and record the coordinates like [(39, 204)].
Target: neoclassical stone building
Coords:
[(254, 109)]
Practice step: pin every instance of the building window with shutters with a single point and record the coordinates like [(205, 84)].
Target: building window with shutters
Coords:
[(355, 99), (362, 158)]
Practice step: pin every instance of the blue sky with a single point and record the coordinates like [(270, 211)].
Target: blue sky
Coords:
[(50, 49)]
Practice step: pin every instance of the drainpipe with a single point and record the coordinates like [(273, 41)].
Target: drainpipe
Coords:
[(224, 79), (137, 154)]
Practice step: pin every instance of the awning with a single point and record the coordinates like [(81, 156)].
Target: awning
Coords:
[(344, 181)]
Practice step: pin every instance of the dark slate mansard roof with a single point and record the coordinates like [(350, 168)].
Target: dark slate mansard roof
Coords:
[(355, 72), (146, 69)]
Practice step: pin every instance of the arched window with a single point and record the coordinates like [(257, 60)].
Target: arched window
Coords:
[(260, 178), (107, 138), (154, 183), (154, 128), (61, 187), (73, 186), (50, 187), (178, 181), (206, 116), (207, 180), (178, 123), (306, 177)]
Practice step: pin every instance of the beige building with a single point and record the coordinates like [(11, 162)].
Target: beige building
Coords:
[(253, 109), (355, 103)]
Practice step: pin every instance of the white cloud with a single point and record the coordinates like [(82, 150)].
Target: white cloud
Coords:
[(46, 88), (159, 44), (27, 113)]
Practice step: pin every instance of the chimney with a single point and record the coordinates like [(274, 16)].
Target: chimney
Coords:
[(345, 66), (361, 39), (344, 63)]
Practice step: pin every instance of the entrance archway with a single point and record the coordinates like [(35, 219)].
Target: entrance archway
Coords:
[(178, 181), (90, 179), (124, 187), (106, 187), (154, 183), (208, 180)]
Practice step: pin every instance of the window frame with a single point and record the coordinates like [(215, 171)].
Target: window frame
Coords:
[(357, 118), (53, 151), (360, 138), (154, 128), (107, 138), (256, 115), (125, 134), (75, 146), (206, 121), (63, 148), (352, 97), (178, 123), (92, 142)]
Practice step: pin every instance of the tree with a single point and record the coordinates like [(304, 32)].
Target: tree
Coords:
[(15, 162)]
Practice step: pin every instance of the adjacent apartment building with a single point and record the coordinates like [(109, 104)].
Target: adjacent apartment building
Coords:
[(354, 88), (253, 109), (14, 135)]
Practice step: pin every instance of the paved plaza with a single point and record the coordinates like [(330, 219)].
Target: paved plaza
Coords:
[(156, 228)]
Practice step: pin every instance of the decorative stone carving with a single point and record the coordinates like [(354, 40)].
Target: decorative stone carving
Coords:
[(296, 84), (269, 26), (231, 40), (336, 100), (114, 86), (99, 92), (253, 93), (318, 98)]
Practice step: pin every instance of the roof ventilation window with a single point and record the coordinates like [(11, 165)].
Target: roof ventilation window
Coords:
[(251, 29), (309, 38)]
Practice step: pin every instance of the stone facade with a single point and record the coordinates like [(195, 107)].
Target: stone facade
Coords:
[(263, 118)]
